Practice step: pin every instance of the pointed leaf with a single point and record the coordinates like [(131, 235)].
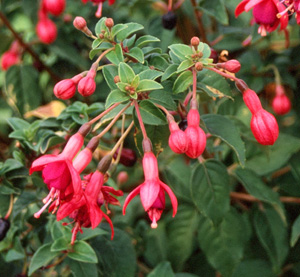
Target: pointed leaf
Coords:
[(137, 54), (184, 65), (162, 269), (83, 252), (131, 28), (151, 114), (181, 50), (143, 40), (183, 81), (109, 73), (116, 96), (126, 73), (169, 72), (115, 56), (147, 85)]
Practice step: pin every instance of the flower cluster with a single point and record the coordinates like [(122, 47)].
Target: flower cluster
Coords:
[(46, 28), (81, 200)]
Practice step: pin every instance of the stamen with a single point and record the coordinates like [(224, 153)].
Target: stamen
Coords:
[(154, 224), (74, 232), (38, 214), (289, 8), (50, 195), (262, 30)]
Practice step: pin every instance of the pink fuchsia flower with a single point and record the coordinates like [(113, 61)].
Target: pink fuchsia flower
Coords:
[(196, 138), (46, 30), (9, 59), (58, 172), (265, 14), (85, 208), (55, 7), (177, 138), (87, 85), (152, 191), (281, 104), (263, 124)]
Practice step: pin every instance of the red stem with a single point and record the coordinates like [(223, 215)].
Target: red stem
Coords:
[(228, 76), (103, 113), (194, 83), (137, 109)]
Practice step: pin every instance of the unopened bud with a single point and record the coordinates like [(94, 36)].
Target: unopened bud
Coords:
[(79, 23), (195, 41), (109, 23), (252, 101), (122, 177), (232, 66), (117, 79), (86, 86), (199, 66), (281, 104), (65, 89)]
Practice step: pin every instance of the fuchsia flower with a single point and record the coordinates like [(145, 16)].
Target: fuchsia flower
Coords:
[(58, 172), (87, 85), (11, 56), (196, 138), (265, 14), (55, 7), (177, 138), (263, 124), (46, 30), (84, 207), (152, 191), (281, 104)]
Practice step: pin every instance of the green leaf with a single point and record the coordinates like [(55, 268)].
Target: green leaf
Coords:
[(223, 128), (22, 88), (131, 28), (295, 232), (79, 269), (103, 46), (169, 72), (143, 40), (61, 244), (215, 8), (89, 233), (224, 244), (126, 73), (115, 56), (254, 268), (210, 189), (149, 74), (109, 73), (183, 81), (181, 232), (83, 252), (42, 257), (96, 43), (272, 234), (162, 269), (278, 155), (116, 96), (118, 28), (116, 257), (147, 85), (184, 65), (137, 54), (18, 123), (181, 50), (256, 187), (158, 62), (16, 252), (151, 114), (163, 98), (50, 141)]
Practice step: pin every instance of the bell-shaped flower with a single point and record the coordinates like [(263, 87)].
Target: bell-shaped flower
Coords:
[(152, 191), (177, 138), (196, 138)]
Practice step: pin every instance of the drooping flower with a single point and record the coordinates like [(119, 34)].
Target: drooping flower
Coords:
[(281, 104), (55, 7), (263, 124), (265, 14), (196, 138), (177, 138), (152, 191), (58, 172), (87, 85), (46, 30), (12, 56)]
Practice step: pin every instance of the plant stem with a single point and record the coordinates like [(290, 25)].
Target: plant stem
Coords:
[(112, 122), (121, 146), (170, 5), (104, 113), (28, 48), (121, 140), (199, 22), (137, 109), (228, 76), (11, 204), (194, 84), (103, 54), (162, 108)]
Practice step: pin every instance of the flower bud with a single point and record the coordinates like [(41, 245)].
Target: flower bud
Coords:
[(55, 7), (117, 79), (86, 86), (46, 30), (65, 89), (9, 59), (79, 23), (195, 41), (199, 66), (232, 66), (109, 22), (281, 104), (127, 158), (252, 101), (177, 138), (264, 127), (122, 177)]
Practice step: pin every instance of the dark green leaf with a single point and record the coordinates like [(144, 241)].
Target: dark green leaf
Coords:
[(256, 187), (183, 81), (169, 72), (162, 269), (109, 73), (210, 189), (163, 98), (42, 257), (149, 74), (254, 268), (272, 234), (223, 128), (224, 244), (79, 269), (83, 252), (151, 114), (61, 244), (215, 8)]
